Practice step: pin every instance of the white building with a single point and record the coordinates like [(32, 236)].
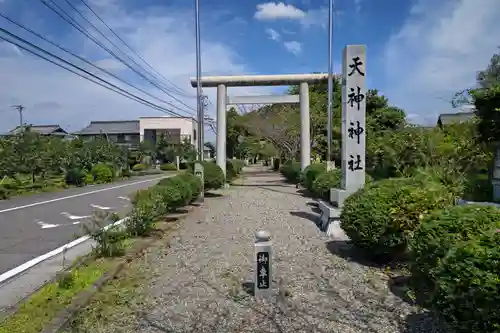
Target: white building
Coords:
[(177, 129)]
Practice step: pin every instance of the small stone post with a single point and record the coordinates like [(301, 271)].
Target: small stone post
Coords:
[(263, 264), (178, 162), (199, 172)]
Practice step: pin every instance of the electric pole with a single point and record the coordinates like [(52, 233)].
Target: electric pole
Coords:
[(20, 108), (329, 163), (199, 99)]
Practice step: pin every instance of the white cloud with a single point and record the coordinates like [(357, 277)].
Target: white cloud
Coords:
[(273, 34), (272, 11), (164, 37), (110, 64), (278, 10), (293, 47), (438, 52)]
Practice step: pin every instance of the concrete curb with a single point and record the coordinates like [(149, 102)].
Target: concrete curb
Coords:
[(81, 300)]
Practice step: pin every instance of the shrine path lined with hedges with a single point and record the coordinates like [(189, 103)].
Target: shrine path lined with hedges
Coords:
[(197, 282)]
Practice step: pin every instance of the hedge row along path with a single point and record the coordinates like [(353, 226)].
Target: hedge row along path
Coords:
[(197, 282)]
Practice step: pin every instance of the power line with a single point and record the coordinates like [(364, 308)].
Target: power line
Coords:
[(114, 87), (85, 60), (66, 17), (179, 90)]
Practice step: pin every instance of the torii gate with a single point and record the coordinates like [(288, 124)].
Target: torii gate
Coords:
[(222, 82)]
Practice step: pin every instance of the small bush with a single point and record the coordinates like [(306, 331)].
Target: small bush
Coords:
[(183, 166), (143, 215), (181, 185), (467, 292), (310, 174), (194, 183), (439, 231), (126, 173), (231, 172), (139, 167), (102, 173), (382, 216), (168, 167), (214, 177), (324, 182), (276, 164), (291, 171), (4, 193), (110, 242), (75, 177), (171, 197)]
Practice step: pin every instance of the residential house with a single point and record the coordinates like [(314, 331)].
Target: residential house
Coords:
[(131, 132), (454, 118), (122, 132), (49, 130)]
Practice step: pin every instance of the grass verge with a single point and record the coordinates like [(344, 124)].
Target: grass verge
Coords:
[(43, 305)]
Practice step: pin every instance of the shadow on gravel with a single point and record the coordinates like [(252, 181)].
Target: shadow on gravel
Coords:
[(306, 215), (424, 322), (268, 187), (248, 287), (212, 195), (349, 252), (399, 286)]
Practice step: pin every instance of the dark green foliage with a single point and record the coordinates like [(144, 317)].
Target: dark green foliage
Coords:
[(310, 174), (102, 173), (439, 231), (4, 193), (291, 171), (233, 168), (75, 177), (193, 182), (467, 292), (487, 102), (182, 186), (324, 182), (214, 177), (139, 167), (168, 167), (126, 173), (382, 216)]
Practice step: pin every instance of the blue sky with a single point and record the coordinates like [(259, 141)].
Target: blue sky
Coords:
[(419, 51)]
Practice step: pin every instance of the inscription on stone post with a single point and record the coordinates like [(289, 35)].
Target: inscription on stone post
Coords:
[(353, 117), (263, 265)]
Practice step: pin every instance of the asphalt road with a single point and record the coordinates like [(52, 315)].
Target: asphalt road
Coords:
[(34, 225)]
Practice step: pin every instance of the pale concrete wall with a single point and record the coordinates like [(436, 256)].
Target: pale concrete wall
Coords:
[(186, 125)]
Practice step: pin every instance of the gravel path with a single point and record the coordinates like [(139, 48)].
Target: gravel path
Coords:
[(198, 282)]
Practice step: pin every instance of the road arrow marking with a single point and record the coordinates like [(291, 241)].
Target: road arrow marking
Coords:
[(100, 207), (74, 217), (47, 225)]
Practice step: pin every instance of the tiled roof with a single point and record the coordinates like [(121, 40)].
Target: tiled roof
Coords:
[(111, 127), (454, 118), (42, 129)]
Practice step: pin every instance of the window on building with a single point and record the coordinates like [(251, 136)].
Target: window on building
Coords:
[(194, 134)]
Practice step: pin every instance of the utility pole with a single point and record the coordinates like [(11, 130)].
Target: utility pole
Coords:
[(199, 97), (20, 108), (330, 86)]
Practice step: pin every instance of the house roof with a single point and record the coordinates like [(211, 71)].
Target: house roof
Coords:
[(455, 118), (111, 127), (41, 129)]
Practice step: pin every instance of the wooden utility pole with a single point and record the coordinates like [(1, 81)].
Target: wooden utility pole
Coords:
[(20, 108)]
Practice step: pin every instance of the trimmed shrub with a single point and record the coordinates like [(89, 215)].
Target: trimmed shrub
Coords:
[(143, 215), (276, 164), (291, 171), (89, 179), (194, 183), (182, 186), (214, 177), (441, 230), (4, 193), (467, 293), (139, 167), (102, 173), (231, 172), (382, 216), (324, 182), (171, 196), (310, 174), (168, 167), (126, 173), (75, 177)]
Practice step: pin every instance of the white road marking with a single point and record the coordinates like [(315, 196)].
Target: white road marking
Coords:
[(33, 262), (100, 207), (47, 225), (77, 222), (124, 198), (77, 195), (75, 217)]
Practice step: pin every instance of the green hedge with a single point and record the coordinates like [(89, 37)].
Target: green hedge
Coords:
[(139, 167), (291, 171), (233, 168), (310, 173), (382, 216), (213, 175), (182, 186), (102, 173), (76, 177), (440, 231), (168, 167), (467, 291)]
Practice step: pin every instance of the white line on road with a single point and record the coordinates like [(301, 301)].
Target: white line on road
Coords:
[(100, 207), (27, 265), (124, 198), (77, 195), (74, 217), (47, 225)]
